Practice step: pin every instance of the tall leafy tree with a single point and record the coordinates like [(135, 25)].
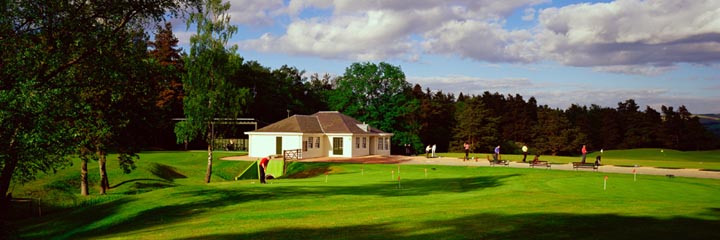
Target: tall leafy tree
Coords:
[(116, 104), (209, 92), (379, 95), (43, 45)]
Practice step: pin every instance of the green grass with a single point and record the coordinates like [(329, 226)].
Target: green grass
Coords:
[(165, 198)]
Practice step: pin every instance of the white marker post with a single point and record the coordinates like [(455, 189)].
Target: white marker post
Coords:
[(326, 176), (426, 173), (398, 170), (605, 183), (634, 175), (392, 174)]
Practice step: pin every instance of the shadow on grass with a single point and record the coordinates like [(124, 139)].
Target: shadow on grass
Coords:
[(65, 224), (214, 198), (495, 226), (472, 226), (166, 172)]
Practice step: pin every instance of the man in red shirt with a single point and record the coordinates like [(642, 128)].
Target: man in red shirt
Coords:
[(263, 168)]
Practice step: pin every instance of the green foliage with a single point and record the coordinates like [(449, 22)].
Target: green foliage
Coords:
[(554, 134), (53, 53), (377, 94), (208, 92), (475, 126)]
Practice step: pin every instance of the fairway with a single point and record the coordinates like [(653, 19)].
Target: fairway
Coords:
[(364, 201)]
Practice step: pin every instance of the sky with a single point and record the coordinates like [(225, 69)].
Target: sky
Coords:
[(657, 52)]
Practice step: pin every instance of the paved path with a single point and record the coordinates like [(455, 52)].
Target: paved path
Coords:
[(421, 160), (696, 173)]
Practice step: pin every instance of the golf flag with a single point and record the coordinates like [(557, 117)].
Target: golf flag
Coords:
[(634, 175), (326, 176)]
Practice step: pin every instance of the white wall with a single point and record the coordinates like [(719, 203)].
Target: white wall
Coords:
[(263, 144), (347, 145)]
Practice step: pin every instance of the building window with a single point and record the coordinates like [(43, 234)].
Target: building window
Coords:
[(380, 143), (304, 146), (357, 142), (364, 142), (317, 142), (387, 143), (310, 142)]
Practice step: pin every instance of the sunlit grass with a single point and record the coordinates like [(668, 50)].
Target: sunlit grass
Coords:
[(360, 201)]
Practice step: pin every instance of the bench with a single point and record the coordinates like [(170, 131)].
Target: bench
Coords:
[(577, 165), (545, 164), (497, 162)]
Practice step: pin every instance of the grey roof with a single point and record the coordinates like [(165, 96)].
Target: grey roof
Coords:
[(320, 122)]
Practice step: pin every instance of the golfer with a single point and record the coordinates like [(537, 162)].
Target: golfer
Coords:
[(467, 150), (496, 155), (263, 169)]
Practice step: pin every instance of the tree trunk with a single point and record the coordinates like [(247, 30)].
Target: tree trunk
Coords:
[(5, 179), (208, 173), (8, 169), (83, 178), (211, 137), (102, 160)]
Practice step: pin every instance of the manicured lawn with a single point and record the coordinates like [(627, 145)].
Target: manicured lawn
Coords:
[(362, 201)]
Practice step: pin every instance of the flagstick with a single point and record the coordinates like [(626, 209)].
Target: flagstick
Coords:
[(634, 175), (605, 183), (326, 176), (398, 181), (398, 170), (392, 176), (426, 173)]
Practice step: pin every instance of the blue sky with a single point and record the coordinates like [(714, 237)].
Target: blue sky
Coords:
[(658, 52)]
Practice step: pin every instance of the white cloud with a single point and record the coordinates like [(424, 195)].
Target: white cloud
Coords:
[(374, 35), (482, 41), (629, 33), (471, 85), (252, 12), (375, 30)]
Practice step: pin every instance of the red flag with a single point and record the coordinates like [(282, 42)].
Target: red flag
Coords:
[(398, 178), (605, 177), (633, 170)]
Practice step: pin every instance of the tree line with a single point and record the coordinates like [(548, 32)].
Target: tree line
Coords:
[(84, 79)]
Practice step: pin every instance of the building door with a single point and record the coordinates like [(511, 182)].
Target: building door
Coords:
[(337, 146), (278, 145)]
